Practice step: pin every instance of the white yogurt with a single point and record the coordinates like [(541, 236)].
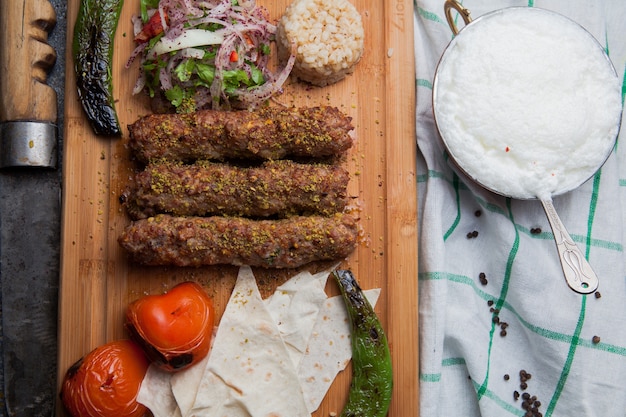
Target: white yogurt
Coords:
[(527, 102)]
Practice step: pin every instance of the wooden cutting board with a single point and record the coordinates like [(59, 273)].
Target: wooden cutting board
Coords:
[(97, 281)]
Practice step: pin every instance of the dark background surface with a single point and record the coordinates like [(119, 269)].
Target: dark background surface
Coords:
[(30, 225)]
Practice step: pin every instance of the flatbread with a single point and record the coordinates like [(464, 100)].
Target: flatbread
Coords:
[(294, 306), (249, 367), (156, 393), (329, 350), (185, 385)]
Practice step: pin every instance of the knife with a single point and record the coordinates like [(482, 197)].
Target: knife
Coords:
[(28, 274), (28, 106)]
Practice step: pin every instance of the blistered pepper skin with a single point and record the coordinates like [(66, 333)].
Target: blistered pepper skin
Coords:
[(372, 373), (92, 50)]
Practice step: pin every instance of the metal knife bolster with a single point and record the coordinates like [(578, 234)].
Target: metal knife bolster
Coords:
[(28, 144)]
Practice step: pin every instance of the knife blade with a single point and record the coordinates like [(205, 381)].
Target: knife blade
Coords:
[(28, 106)]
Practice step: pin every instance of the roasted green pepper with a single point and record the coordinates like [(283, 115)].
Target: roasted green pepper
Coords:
[(92, 50), (372, 374)]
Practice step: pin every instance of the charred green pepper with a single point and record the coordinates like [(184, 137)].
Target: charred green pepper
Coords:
[(372, 374), (92, 50)]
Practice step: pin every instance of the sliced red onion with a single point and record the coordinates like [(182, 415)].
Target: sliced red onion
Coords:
[(244, 28)]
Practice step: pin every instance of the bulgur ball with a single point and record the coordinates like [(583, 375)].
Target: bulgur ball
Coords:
[(327, 36)]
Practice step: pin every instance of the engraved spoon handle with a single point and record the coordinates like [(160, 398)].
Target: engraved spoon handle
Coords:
[(578, 273)]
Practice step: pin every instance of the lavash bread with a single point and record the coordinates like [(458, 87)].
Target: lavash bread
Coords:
[(328, 38)]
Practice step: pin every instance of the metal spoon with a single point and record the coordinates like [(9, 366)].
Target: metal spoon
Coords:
[(578, 273)]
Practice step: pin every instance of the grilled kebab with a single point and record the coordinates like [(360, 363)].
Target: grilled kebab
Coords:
[(198, 241), (274, 188), (268, 133)]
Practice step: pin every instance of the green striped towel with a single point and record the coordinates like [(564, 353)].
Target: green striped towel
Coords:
[(520, 338)]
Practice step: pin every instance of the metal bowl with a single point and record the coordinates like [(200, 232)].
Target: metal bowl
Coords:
[(579, 275)]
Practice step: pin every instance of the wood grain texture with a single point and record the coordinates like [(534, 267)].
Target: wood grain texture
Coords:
[(97, 281), (25, 60)]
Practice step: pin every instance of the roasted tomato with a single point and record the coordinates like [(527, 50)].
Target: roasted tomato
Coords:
[(174, 328), (106, 381)]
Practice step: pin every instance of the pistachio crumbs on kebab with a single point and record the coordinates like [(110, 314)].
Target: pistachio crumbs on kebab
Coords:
[(274, 188), (198, 241), (268, 133)]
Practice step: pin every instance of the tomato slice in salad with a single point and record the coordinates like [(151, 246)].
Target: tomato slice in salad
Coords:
[(151, 29)]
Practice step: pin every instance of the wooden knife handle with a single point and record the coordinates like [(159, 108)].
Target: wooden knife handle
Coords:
[(25, 60)]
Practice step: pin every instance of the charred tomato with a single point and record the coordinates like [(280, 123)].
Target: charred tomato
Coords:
[(106, 381), (174, 328)]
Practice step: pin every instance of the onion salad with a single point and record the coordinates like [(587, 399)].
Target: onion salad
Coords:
[(200, 54)]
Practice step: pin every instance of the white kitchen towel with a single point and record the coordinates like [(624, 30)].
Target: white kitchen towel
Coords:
[(497, 320)]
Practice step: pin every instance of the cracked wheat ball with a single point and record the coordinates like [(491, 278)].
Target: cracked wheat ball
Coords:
[(326, 37)]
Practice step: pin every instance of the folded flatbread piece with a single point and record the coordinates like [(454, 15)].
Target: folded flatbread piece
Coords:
[(248, 361)]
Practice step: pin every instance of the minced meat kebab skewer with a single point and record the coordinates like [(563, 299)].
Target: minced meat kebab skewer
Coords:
[(268, 133), (198, 241), (274, 188)]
